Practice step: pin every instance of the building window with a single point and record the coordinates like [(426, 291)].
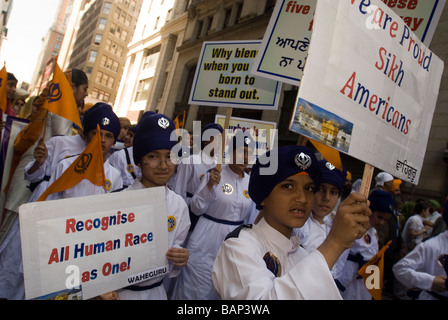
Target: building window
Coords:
[(92, 57), (100, 95), (98, 39), (151, 57), (143, 90), (157, 23), (168, 15), (105, 80), (107, 7), (102, 24)]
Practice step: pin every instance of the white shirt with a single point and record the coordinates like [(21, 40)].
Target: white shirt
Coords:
[(119, 160), (312, 234), (420, 266), (177, 208), (188, 174), (58, 148), (415, 223), (240, 272)]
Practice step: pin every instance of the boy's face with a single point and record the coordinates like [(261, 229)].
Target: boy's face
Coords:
[(241, 157), (129, 139), (11, 89), (107, 140), (289, 204), (325, 199), (157, 168), (378, 218)]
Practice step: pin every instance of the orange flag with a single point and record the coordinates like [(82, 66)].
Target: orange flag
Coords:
[(3, 89), (374, 280), (330, 154), (60, 99), (182, 124), (89, 165), (176, 122)]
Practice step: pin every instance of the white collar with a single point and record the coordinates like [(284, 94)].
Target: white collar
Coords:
[(273, 236)]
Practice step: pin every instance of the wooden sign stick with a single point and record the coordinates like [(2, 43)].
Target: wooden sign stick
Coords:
[(366, 180), (223, 137)]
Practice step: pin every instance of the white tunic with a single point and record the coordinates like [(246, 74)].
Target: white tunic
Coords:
[(119, 160), (365, 248), (228, 202), (59, 148), (85, 187), (188, 174), (415, 223), (419, 267), (241, 273), (176, 207), (313, 233)]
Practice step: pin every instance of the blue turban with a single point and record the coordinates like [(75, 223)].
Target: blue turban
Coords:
[(103, 115), (382, 201), (153, 133), (332, 175), (291, 161), (216, 126), (145, 115)]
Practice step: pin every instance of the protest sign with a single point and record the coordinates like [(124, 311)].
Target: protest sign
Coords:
[(421, 16), (223, 78), (283, 52), (284, 49), (100, 243), (263, 132), (369, 88)]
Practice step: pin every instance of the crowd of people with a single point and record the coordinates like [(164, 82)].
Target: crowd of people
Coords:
[(302, 232)]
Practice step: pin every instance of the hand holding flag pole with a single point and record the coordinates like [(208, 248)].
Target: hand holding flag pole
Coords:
[(88, 165)]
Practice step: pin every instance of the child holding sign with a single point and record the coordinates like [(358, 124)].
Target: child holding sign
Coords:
[(265, 261), (152, 148)]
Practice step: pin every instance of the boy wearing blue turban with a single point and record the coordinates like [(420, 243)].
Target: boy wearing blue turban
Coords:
[(266, 261), (316, 228), (152, 154), (100, 114)]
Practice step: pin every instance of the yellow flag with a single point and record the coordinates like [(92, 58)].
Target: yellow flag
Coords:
[(60, 99), (3, 89), (330, 154), (373, 281), (89, 165)]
